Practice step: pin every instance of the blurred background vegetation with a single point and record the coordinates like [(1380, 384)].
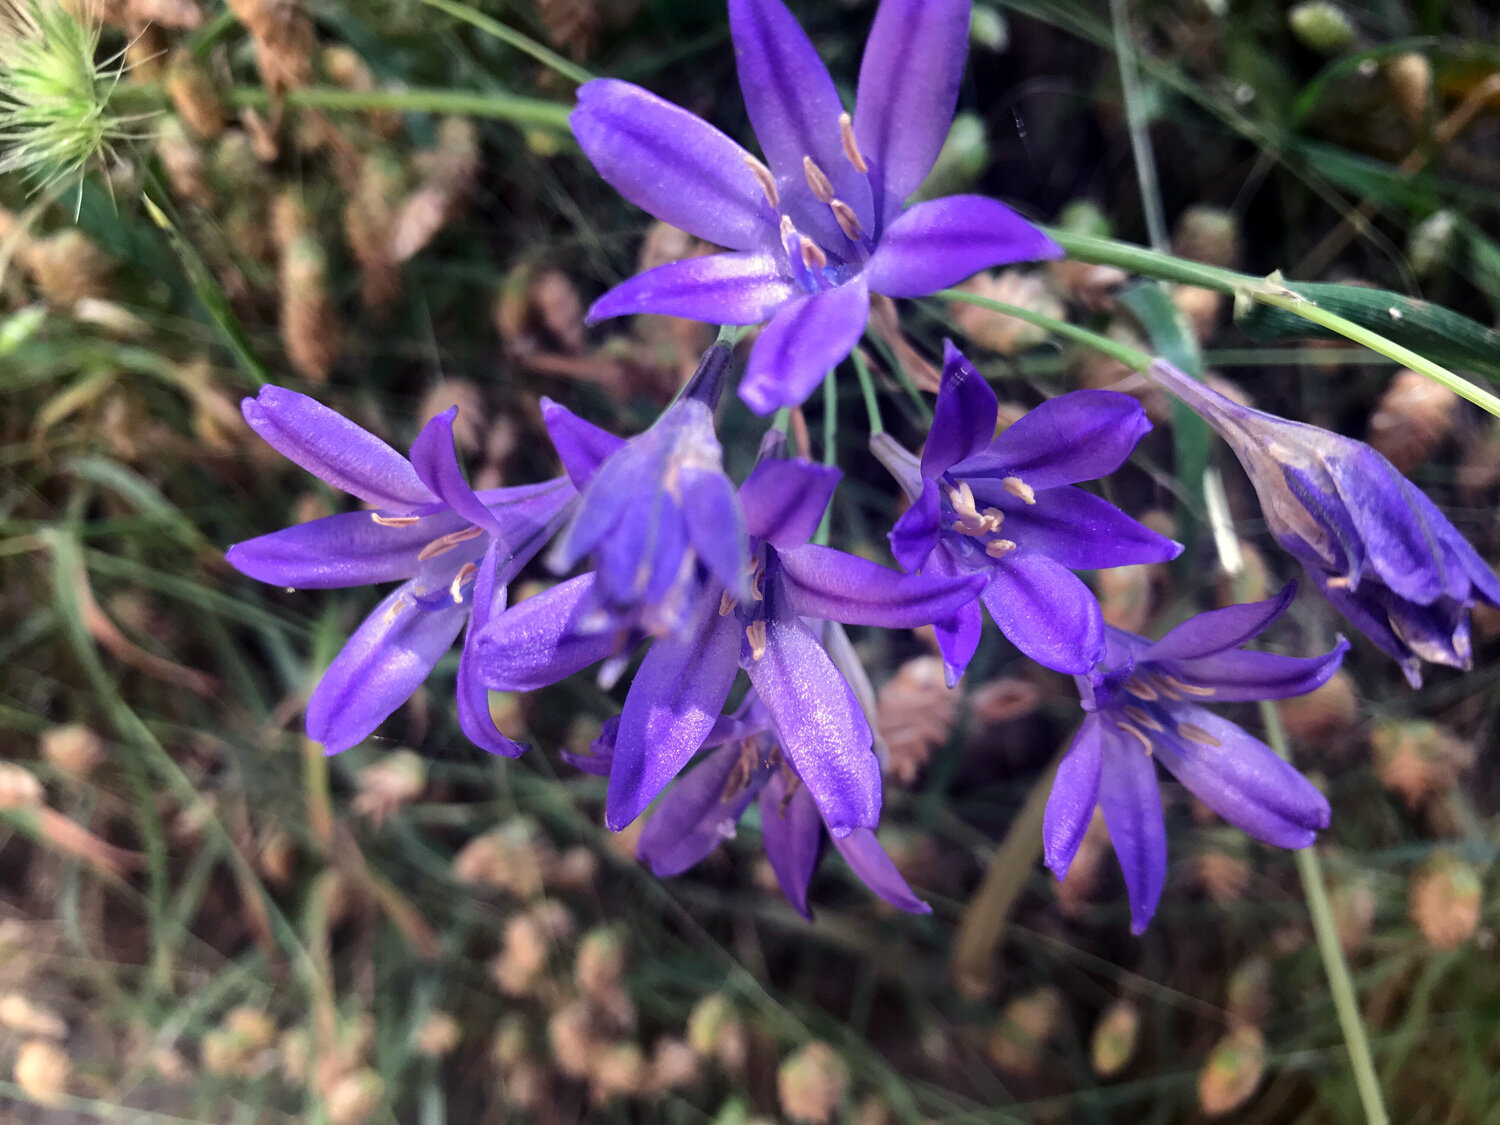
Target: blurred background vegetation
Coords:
[(378, 203)]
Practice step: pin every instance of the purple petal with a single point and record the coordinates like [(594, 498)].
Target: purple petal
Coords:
[(1243, 780), (915, 534), (939, 243), (334, 449), (1130, 799), (1242, 676), (581, 446), (908, 90), (601, 753), (792, 103), (435, 460), (1076, 528), (694, 817), (716, 527), (804, 341), (1219, 630), (350, 549), (474, 718), (1075, 794), (1081, 435), (820, 724), (862, 851), (793, 835), (963, 422), (1047, 612), (542, 639), (900, 462), (717, 289), (671, 164), (825, 583), (1367, 612), (529, 515), (382, 664), (784, 500), (957, 636), (675, 698)]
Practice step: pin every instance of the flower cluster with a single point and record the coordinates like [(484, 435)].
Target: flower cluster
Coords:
[(683, 578)]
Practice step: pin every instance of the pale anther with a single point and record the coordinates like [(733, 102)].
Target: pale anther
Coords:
[(1141, 718), (848, 221), (726, 603), (817, 180), (851, 146), (394, 521), (999, 548), (1136, 733), (1194, 733), (1160, 683), (465, 574), (448, 542), (1019, 489), (1139, 687), (764, 178), (788, 230), (1191, 689), (812, 254), (1339, 583), (755, 633)]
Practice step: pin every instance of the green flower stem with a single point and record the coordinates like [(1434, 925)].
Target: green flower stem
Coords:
[(501, 107), (1166, 267), (1131, 357), (571, 71), (1335, 966), (830, 450), (867, 388)]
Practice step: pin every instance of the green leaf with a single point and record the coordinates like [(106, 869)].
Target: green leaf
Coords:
[(1440, 334)]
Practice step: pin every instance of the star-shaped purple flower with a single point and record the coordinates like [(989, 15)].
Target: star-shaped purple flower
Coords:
[(683, 681), (823, 223), (745, 763), (1379, 550), (455, 549), (656, 505), (1004, 507), (1146, 701)]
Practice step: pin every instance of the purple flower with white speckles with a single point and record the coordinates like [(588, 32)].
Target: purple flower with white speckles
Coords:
[(1005, 508), (683, 681), (455, 549), (823, 223), (1379, 550), (1146, 700)]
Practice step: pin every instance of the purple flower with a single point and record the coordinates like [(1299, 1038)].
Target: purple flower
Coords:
[(1146, 700), (683, 681), (1004, 507), (652, 507), (823, 222), (455, 549), (747, 763), (1379, 550)]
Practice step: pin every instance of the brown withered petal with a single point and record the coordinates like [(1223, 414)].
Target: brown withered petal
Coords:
[(915, 712)]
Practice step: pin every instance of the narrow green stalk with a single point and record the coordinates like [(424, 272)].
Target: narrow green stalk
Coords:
[(1309, 310), (1148, 263), (524, 43), (1335, 966), (501, 107), (1135, 119), (867, 388), (830, 449), (1130, 357)]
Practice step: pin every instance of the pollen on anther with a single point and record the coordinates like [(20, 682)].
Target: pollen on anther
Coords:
[(755, 633), (812, 254), (394, 521), (764, 178), (851, 146), (817, 180), (1019, 489), (999, 548)]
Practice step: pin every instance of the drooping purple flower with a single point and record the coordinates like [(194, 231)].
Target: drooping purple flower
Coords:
[(823, 223), (1004, 507), (745, 763), (1146, 700), (683, 681), (454, 550), (1377, 547), (653, 507)]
